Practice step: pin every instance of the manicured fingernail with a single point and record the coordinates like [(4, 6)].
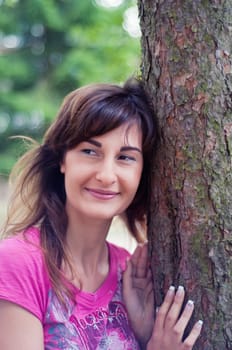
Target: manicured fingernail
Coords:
[(199, 323), (171, 290), (190, 303), (180, 290), (157, 309)]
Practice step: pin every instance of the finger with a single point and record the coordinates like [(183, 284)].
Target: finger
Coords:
[(163, 310), (142, 263), (134, 259), (135, 255), (181, 324), (194, 334), (185, 317), (175, 309), (149, 296), (140, 282), (127, 278)]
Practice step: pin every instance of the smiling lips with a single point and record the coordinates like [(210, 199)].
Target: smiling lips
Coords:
[(102, 194)]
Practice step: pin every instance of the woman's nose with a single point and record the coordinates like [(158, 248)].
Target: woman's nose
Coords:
[(106, 172)]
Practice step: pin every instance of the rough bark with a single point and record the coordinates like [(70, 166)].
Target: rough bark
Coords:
[(187, 66)]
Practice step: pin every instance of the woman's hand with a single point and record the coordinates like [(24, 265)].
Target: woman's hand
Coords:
[(170, 325), (138, 294)]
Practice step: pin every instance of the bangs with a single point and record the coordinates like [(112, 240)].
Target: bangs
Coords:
[(108, 114), (98, 109)]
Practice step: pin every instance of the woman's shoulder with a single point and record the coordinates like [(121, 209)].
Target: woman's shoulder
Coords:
[(118, 250), (118, 254), (22, 252), (23, 275), (26, 241)]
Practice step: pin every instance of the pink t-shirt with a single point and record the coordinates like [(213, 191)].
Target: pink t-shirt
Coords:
[(96, 321)]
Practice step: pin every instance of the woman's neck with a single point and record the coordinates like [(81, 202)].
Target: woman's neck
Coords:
[(88, 252)]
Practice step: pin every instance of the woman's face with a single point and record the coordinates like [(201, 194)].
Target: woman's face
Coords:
[(102, 174)]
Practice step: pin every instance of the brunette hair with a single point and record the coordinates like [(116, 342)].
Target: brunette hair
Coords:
[(39, 194)]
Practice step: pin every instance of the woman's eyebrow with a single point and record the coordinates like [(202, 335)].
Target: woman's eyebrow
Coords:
[(130, 148), (122, 149), (94, 142)]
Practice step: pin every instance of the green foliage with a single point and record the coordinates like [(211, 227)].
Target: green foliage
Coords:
[(48, 48)]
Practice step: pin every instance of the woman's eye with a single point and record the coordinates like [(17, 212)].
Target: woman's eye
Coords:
[(127, 158), (88, 151)]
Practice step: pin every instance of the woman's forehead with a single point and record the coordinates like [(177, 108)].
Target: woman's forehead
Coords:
[(126, 134)]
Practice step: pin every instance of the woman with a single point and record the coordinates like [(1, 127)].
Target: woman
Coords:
[(62, 286)]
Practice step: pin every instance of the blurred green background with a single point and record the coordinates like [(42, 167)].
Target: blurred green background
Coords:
[(50, 47)]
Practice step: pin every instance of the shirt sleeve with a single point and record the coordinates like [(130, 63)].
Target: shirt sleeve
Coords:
[(23, 278)]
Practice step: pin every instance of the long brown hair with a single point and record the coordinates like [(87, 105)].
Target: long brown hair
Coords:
[(39, 194)]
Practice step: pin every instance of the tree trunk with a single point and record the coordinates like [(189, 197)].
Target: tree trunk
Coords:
[(187, 67)]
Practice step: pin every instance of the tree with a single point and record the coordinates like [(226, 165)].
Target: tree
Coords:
[(187, 67)]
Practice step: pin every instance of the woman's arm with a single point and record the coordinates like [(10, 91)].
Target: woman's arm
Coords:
[(19, 329)]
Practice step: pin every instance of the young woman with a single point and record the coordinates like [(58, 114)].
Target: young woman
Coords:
[(62, 285)]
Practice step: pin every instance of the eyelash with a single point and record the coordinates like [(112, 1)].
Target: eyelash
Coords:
[(88, 151), (122, 157), (127, 158)]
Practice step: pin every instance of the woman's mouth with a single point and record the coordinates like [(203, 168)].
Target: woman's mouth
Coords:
[(102, 194)]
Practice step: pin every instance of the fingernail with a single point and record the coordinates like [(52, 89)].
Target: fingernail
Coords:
[(200, 323), (171, 290), (190, 303), (180, 290)]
